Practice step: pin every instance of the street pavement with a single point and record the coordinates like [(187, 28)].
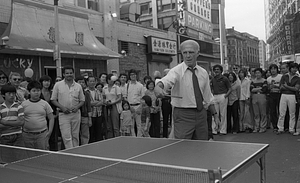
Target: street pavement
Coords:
[(282, 159)]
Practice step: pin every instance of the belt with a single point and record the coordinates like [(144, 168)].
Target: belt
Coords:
[(134, 104), (186, 108), (36, 133), (277, 92)]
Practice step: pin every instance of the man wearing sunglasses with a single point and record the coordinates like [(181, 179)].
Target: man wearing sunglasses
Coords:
[(15, 79)]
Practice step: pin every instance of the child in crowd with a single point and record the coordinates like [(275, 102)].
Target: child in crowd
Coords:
[(146, 103), (12, 118), (126, 119), (35, 130)]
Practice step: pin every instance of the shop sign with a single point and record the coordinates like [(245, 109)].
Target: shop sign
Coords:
[(288, 38), (181, 6), (17, 63), (198, 23), (51, 34), (163, 46), (198, 35), (79, 38), (201, 9)]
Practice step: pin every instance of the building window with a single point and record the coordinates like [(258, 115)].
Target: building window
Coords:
[(124, 46), (215, 16), (165, 22), (82, 3), (144, 9), (164, 5), (93, 5), (159, 6)]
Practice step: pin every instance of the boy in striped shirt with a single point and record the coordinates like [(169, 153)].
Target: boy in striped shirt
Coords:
[(12, 118)]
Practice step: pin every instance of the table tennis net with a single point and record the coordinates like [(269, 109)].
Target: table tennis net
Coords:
[(83, 168)]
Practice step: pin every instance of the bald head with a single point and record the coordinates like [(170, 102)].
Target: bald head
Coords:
[(192, 43), (156, 74)]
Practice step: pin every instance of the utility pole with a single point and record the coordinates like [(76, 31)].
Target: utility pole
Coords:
[(56, 50)]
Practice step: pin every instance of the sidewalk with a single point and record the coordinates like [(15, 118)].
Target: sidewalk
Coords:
[(282, 159)]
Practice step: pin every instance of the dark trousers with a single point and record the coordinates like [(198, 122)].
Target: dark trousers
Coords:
[(274, 108), (233, 111), (190, 123), (155, 125), (167, 115), (96, 130), (287, 120), (53, 140), (209, 123)]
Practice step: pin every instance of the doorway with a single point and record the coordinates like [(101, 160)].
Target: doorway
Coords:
[(51, 72)]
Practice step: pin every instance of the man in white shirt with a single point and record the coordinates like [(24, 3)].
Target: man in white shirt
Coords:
[(190, 118), (135, 91), (68, 96)]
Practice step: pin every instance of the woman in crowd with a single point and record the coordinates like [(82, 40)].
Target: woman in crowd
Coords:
[(46, 93), (113, 97), (245, 117), (259, 89), (3, 81), (103, 78), (233, 104), (154, 110)]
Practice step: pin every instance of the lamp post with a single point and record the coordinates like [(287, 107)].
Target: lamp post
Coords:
[(56, 51), (221, 32)]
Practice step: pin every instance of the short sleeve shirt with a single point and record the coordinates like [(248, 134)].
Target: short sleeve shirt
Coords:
[(35, 114), (11, 113), (67, 96)]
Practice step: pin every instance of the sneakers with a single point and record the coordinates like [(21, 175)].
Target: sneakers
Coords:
[(262, 131), (255, 131), (279, 132), (296, 133)]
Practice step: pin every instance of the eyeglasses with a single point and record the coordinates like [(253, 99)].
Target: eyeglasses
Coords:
[(58, 80), (17, 79), (3, 78), (235, 68)]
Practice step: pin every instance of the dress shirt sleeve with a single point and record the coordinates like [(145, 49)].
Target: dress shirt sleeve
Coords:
[(169, 80), (81, 95)]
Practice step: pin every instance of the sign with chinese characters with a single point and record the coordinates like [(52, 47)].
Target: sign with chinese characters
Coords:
[(163, 46), (79, 38), (51, 34), (200, 8)]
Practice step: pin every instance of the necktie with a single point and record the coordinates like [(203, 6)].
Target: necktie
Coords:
[(197, 91)]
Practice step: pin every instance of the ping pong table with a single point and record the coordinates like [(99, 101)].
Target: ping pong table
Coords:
[(132, 159)]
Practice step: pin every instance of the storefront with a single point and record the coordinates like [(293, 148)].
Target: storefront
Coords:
[(159, 53), (28, 41)]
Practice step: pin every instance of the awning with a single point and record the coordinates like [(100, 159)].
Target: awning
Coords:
[(29, 33)]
